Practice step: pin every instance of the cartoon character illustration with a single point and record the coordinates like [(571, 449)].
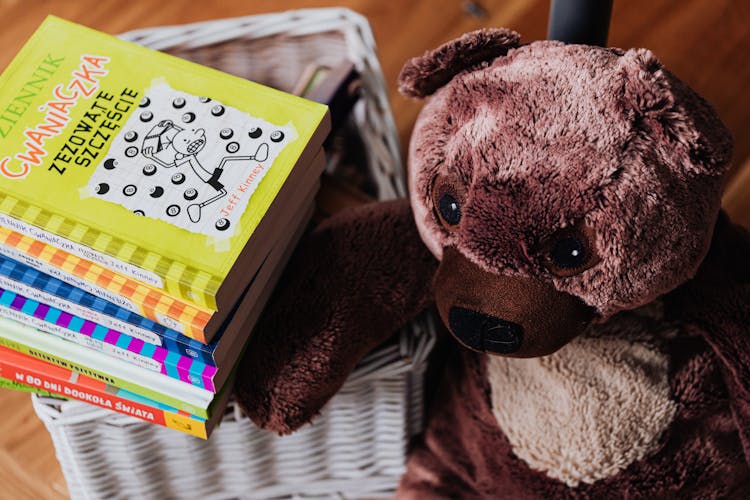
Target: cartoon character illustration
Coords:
[(172, 146)]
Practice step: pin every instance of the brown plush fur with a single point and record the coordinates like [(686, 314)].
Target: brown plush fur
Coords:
[(544, 312), (421, 77), (354, 281), (533, 143), (464, 455), (716, 306), (552, 135)]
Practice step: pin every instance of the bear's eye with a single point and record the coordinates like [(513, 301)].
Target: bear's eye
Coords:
[(449, 209), (569, 252), (447, 198)]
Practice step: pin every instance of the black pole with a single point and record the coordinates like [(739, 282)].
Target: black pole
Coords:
[(580, 21)]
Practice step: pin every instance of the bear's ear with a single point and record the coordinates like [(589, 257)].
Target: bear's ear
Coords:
[(421, 76), (675, 114)]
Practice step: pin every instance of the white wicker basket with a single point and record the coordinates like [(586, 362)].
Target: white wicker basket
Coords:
[(354, 449), (357, 446)]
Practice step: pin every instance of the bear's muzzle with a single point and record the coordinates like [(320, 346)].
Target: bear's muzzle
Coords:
[(484, 333), (507, 315)]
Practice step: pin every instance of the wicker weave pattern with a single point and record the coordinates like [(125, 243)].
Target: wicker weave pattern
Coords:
[(356, 448)]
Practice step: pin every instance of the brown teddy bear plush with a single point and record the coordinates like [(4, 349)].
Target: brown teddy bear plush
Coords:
[(565, 220)]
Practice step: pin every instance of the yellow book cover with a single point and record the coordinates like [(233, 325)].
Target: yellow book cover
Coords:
[(151, 166)]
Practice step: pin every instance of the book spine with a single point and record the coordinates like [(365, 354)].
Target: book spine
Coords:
[(40, 380), (111, 342), (84, 252), (124, 292), (79, 310), (201, 289), (6, 383), (19, 255), (16, 337), (31, 283)]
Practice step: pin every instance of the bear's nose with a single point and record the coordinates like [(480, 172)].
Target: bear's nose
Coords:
[(483, 332)]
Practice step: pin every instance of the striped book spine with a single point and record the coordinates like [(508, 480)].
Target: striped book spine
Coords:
[(27, 281), (169, 275), (123, 291), (115, 372), (87, 333), (57, 380)]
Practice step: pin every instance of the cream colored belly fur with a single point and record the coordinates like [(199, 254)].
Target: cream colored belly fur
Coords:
[(592, 408)]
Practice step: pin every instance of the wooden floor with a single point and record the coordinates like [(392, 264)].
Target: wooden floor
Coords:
[(705, 42)]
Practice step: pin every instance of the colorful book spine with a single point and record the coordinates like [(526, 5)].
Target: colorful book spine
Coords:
[(176, 279), (22, 338), (94, 336), (27, 281), (125, 292), (57, 380), (6, 383)]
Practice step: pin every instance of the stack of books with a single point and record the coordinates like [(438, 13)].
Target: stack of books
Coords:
[(147, 207)]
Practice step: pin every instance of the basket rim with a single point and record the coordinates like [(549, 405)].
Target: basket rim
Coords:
[(344, 14)]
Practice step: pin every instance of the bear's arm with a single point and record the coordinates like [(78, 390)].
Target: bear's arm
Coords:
[(716, 304), (353, 282)]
